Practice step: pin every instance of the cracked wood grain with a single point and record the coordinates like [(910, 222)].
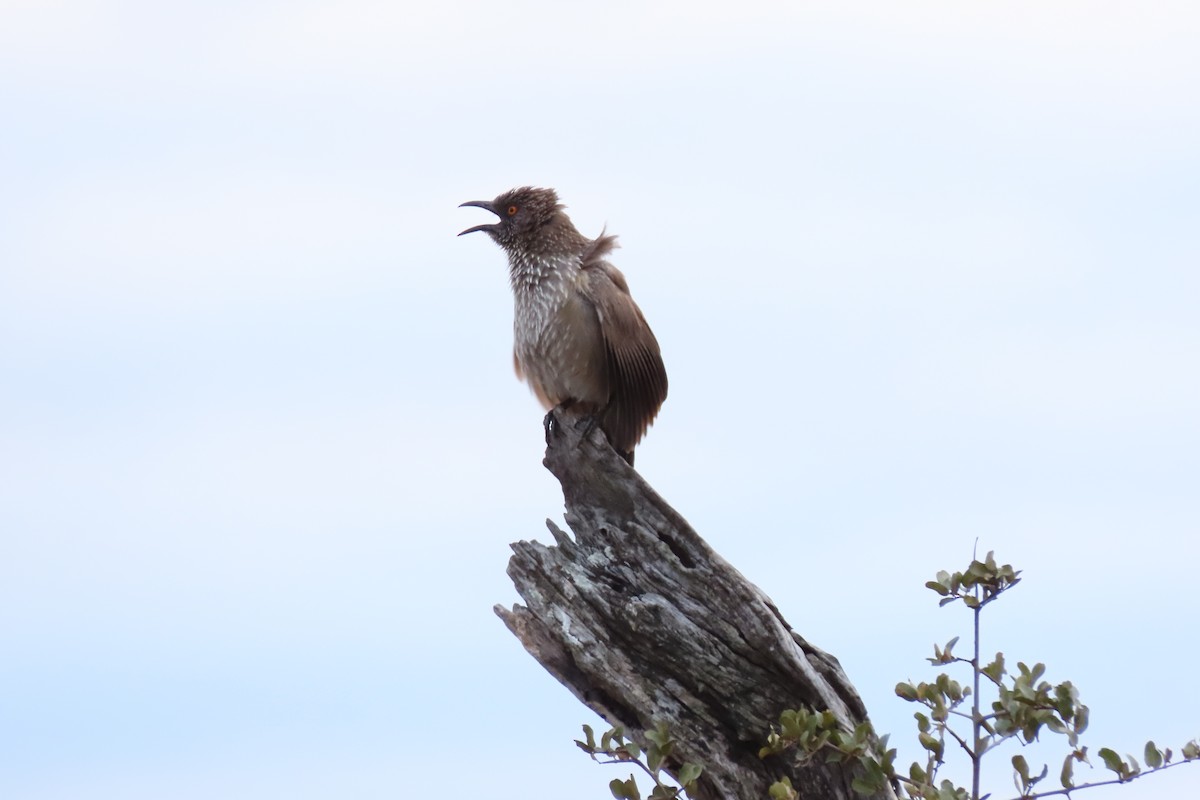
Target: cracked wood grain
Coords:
[(643, 622)]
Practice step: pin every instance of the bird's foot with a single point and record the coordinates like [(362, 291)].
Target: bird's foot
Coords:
[(587, 423), (551, 421)]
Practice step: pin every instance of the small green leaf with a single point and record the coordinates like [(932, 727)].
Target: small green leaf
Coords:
[(906, 691), (1154, 759), (782, 790), (1022, 768), (995, 670), (688, 773), (1081, 718), (1112, 761), (624, 790), (1067, 776), (948, 791)]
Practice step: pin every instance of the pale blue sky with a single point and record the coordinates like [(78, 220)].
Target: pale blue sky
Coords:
[(921, 273)]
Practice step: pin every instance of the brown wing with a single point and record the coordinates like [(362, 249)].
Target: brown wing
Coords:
[(637, 378)]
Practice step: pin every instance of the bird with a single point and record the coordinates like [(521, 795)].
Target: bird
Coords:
[(579, 339)]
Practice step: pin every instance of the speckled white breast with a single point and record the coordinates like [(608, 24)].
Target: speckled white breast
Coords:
[(556, 335)]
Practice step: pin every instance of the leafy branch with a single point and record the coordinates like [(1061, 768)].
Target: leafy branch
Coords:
[(1024, 707), (614, 748), (812, 733)]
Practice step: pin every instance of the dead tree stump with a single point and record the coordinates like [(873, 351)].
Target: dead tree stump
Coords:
[(645, 623)]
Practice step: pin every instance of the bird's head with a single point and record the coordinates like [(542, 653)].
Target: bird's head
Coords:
[(523, 214)]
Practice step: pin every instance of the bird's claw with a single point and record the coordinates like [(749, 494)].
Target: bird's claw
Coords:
[(587, 423)]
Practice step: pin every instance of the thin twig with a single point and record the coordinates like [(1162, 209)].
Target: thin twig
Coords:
[(976, 720), (1099, 783), (961, 742)]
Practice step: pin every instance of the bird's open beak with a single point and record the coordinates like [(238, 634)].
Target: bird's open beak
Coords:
[(484, 204)]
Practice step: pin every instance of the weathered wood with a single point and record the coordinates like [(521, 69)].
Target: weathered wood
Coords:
[(645, 623)]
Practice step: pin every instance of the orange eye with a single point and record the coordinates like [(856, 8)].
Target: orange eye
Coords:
[(512, 211)]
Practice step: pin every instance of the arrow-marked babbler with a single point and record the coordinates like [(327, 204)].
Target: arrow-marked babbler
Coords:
[(579, 339)]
